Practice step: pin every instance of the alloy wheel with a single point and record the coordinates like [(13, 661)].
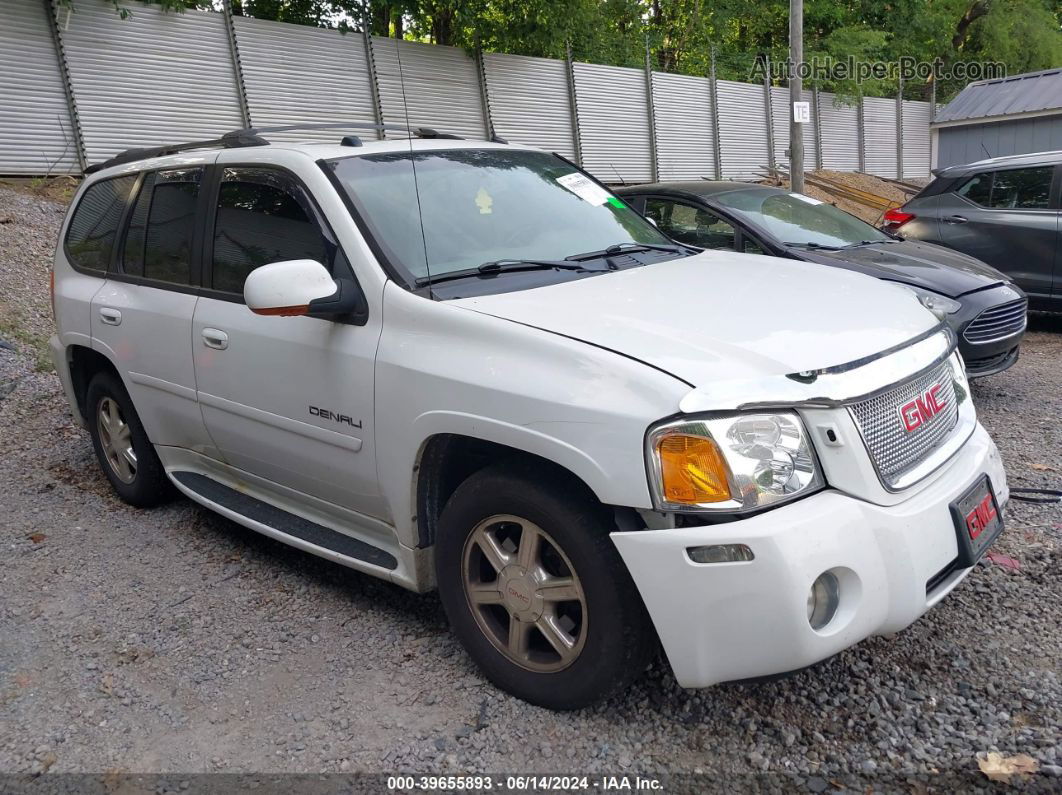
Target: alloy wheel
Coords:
[(116, 439), (524, 593)]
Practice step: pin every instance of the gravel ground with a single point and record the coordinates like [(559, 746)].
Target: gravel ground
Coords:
[(175, 641)]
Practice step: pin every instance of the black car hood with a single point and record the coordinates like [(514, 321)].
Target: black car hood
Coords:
[(913, 262)]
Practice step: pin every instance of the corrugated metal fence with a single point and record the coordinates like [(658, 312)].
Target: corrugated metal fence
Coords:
[(77, 86)]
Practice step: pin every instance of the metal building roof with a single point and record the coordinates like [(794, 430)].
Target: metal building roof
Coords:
[(1028, 93)]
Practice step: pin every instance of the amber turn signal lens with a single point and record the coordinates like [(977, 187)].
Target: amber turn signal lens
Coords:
[(692, 470)]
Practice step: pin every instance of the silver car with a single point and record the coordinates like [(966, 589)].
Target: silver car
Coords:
[(1004, 211)]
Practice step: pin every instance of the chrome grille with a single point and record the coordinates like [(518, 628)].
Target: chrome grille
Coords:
[(997, 322), (895, 450)]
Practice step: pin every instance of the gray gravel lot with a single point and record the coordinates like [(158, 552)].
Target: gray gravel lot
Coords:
[(176, 641)]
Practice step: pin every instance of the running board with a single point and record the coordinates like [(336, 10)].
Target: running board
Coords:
[(283, 522)]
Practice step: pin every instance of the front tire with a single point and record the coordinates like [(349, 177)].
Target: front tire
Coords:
[(125, 453), (536, 591)]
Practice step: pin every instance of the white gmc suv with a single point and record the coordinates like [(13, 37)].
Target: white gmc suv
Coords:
[(468, 366)]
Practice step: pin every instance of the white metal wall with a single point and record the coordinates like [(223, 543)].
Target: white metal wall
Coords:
[(529, 102), (160, 77), (915, 139), (613, 122), (297, 74), (879, 134), (36, 132), (153, 78), (441, 86), (683, 109), (742, 129), (840, 133)]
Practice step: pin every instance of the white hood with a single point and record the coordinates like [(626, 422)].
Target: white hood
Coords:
[(721, 315)]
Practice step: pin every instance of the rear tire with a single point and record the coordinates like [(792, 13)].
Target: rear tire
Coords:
[(125, 453), (535, 590)]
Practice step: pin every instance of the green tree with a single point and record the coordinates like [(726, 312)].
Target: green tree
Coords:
[(169, 5)]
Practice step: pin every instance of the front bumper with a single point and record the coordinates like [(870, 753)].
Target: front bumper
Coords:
[(725, 621), (985, 358), (989, 364)]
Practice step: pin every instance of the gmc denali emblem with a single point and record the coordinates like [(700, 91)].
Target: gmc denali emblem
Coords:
[(922, 409), (342, 419)]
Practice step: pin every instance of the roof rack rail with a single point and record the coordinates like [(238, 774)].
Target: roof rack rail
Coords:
[(419, 132), (252, 136), (230, 140)]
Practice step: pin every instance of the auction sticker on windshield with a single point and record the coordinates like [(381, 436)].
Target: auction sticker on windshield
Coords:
[(585, 188)]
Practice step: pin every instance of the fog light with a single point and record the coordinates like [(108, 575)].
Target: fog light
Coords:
[(823, 600), (720, 553)]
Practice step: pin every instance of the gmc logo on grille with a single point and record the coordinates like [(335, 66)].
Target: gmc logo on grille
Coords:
[(922, 409), (979, 518)]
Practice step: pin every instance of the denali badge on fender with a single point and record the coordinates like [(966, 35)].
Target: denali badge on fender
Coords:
[(922, 409), (343, 419)]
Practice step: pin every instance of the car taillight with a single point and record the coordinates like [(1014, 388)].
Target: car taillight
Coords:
[(895, 217)]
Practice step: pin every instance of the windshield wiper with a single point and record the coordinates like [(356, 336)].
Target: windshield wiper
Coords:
[(811, 245), (626, 248), (868, 243), (505, 266)]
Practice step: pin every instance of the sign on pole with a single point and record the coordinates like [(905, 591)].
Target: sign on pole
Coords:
[(796, 95)]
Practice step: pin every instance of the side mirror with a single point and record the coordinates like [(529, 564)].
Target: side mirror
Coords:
[(303, 287)]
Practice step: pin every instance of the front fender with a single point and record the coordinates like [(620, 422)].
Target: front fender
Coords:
[(525, 438), (443, 369)]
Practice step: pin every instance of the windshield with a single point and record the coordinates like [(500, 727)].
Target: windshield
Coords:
[(798, 219), (484, 205)]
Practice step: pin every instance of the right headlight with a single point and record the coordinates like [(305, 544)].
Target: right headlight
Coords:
[(731, 463)]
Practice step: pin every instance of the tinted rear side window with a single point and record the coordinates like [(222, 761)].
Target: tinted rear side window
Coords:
[(1015, 189), (90, 237), (263, 216), (1023, 188), (158, 243), (978, 189)]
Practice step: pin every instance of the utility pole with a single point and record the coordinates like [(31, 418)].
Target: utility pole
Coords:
[(796, 128)]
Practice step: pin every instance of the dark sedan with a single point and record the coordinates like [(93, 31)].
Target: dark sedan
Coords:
[(984, 308)]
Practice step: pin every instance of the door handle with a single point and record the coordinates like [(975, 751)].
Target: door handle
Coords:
[(112, 317), (955, 219), (213, 338)]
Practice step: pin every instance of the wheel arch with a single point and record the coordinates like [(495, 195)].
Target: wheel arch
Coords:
[(446, 459), (85, 363)]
